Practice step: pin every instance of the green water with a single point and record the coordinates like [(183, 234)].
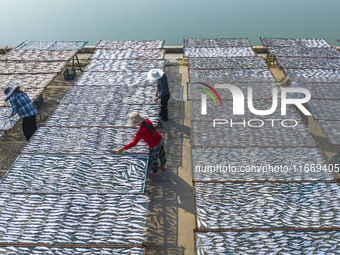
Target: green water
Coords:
[(170, 20)]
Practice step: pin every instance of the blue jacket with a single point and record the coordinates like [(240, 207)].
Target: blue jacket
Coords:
[(163, 86)]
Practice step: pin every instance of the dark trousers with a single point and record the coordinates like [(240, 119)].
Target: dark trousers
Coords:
[(164, 107), (29, 126)]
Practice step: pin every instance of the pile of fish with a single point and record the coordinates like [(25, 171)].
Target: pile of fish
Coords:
[(5, 122), (135, 45), (52, 45), (267, 205), (73, 218), (325, 109), (263, 164), (321, 90), (313, 75), (114, 78), (275, 242), (227, 75), (99, 115), (301, 51), (124, 65), (216, 42), (226, 63), (11, 250), (85, 140), (288, 42), (331, 129), (218, 52), (38, 55), (85, 174), (308, 63), (32, 67), (128, 54)]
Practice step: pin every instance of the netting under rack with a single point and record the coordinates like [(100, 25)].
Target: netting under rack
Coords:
[(218, 52), (204, 134), (303, 52), (5, 122), (322, 90), (267, 205), (100, 115), (85, 174), (136, 45), (257, 164), (289, 42), (226, 111), (31, 67), (216, 42), (92, 219), (128, 54), (308, 63), (74, 251), (52, 45), (114, 78), (314, 75), (124, 65), (324, 109), (38, 55), (85, 140), (262, 242), (332, 131), (227, 75), (224, 63)]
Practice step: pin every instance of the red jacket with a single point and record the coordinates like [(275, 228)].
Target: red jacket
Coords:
[(145, 134)]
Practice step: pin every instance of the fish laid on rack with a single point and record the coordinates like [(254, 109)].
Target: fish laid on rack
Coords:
[(35, 45), (114, 78), (218, 52), (72, 174), (308, 63), (11, 250), (324, 109), (322, 90), (289, 42), (138, 94), (99, 115), (38, 55), (136, 45), (273, 242), (73, 218), (314, 75), (52, 45), (331, 129), (216, 42), (241, 134), (124, 65), (86, 140), (225, 63), (267, 205), (2, 134), (304, 52), (32, 67), (5, 122), (230, 75), (128, 54), (259, 164)]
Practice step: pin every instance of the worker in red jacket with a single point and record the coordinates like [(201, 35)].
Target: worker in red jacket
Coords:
[(154, 140)]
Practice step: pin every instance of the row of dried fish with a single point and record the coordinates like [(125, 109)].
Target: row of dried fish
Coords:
[(38, 55), (301, 51), (5, 122), (218, 52), (80, 174), (124, 65), (313, 75), (273, 242), (267, 205), (136, 45), (240, 133), (331, 129), (100, 115), (225, 63), (259, 164), (52, 45), (31, 67), (308, 63), (114, 78), (225, 111), (228, 75), (73, 218), (128, 54), (289, 42), (324, 109), (11, 250), (86, 140), (322, 90), (216, 42)]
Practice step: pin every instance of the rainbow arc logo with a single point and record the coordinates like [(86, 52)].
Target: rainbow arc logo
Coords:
[(209, 93)]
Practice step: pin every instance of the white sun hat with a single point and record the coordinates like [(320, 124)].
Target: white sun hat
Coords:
[(155, 74)]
